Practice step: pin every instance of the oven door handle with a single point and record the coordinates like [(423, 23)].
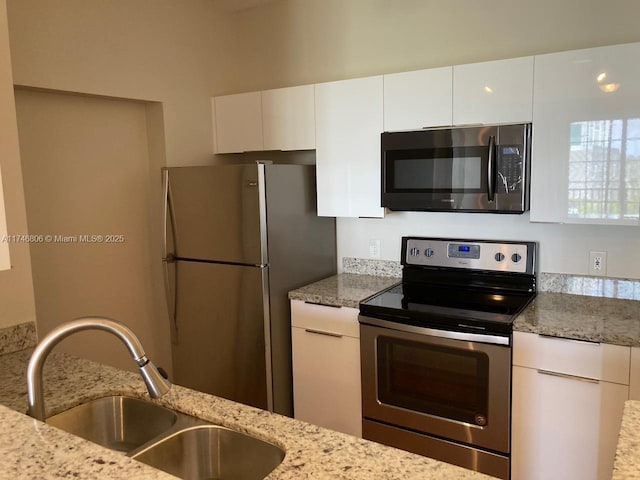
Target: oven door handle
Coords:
[(463, 336)]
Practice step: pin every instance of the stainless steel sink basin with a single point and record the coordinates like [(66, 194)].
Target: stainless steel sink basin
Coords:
[(212, 452), (116, 422), (179, 444)]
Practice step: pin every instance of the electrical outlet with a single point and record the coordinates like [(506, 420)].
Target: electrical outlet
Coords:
[(374, 248), (597, 263)]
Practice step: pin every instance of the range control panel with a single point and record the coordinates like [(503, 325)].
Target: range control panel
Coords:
[(516, 257)]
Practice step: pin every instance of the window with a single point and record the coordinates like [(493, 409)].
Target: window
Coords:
[(604, 169)]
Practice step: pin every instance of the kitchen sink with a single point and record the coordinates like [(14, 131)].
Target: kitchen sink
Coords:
[(116, 422), (180, 444), (211, 451)]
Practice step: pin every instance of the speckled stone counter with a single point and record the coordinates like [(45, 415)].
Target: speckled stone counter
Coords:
[(343, 290), (580, 317), (627, 463), (17, 337), (31, 449)]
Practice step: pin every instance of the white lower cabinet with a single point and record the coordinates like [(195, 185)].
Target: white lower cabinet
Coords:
[(567, 407), (326, 366)]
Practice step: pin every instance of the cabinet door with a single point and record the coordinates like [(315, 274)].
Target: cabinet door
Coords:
[(493, 92), (348, 128), (586, 145), (288, 118), (564, 427), (415, 100), (238, 123), (326, 380)]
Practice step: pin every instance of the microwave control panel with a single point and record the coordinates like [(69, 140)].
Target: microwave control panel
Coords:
[(510, 166)]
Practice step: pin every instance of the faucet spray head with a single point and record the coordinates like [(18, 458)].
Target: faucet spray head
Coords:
[(157, 384)]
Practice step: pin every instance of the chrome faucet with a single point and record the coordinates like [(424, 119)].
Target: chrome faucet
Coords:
[(156, 383)]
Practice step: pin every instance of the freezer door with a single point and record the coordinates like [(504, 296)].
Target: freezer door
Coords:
[(217, 213), (221, 325)]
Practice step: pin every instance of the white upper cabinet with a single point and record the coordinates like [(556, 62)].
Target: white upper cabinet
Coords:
[(493, 92), (415, 100), (279, 119), (238, 123), (288, 118), (586, 140), (348, 127)]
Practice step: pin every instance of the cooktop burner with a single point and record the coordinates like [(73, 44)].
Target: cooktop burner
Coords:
[(461, 285)]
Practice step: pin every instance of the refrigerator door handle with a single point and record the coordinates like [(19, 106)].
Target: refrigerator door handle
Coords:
[(168, 258)]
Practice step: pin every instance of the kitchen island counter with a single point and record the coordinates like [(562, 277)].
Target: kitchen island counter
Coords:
[(31, 449), (627, 463)]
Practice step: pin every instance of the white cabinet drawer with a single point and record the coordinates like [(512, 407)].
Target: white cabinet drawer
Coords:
[(598, 361), (324, 318)]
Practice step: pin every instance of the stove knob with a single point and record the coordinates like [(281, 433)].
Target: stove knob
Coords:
[(515, 258), (499, 257), (428, 252), (414, 252)]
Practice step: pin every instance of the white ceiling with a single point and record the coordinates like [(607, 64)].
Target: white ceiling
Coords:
[(238, 5)]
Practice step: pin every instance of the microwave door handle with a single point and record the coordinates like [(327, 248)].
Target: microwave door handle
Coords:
[(491, 169)]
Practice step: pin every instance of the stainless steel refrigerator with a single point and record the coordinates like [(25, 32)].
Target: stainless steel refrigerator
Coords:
[(237, 239)]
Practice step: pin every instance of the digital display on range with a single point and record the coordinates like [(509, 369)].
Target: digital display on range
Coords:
[(463, 250)]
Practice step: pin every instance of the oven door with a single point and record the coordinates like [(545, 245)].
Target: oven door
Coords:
[(450, 388)]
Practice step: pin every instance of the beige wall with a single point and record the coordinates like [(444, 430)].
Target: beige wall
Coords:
[(174, 52), (16, 289), (160, 50), (292, 42), (87, 171)]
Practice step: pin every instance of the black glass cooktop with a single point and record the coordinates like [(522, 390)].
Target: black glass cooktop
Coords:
[(436, 306)]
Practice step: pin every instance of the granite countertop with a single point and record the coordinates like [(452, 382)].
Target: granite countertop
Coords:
[(343, 290), (31, 449), (580, 317), (627, 463)]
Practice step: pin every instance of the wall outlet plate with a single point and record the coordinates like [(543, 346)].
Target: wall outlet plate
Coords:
[(374, 248), (597, 263)]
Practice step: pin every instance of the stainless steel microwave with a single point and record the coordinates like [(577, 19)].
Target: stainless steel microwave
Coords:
[(469, 169)]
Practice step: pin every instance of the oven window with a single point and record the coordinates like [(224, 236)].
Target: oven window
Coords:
[(446, 382)]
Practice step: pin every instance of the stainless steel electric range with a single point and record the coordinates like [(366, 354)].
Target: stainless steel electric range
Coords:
[(436, 350)]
